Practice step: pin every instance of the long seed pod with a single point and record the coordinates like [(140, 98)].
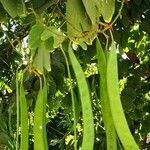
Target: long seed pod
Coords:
[(24, 119), (88, 124), (17, 106), (40, 140), (106, 111), (119, 119)]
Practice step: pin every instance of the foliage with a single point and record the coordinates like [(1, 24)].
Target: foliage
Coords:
[(59, 78)]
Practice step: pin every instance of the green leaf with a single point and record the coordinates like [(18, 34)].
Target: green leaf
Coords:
[(78, 20), (3, 14), (24, 119), (38, 3), (42, 59), (14, 7), (3, 125), (83, 45), (57, 35), (48, 32), (107, 9), (35, 36), (20, 8), (119, 119), (10, 7), (49, 44), (91, 9), (88, 124), (79, 26), (5, 139), (105, 104), (58, 39), (29, 19), (41, 5)]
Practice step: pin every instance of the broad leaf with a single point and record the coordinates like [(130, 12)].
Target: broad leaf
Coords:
[(3, 14), (79, 26), (38, 3), (42, 59), (10, 7), (91, 9), (35, 36), (49, 44), (20, 7), (58, 36), (48, 32), (78, 20), (107, 9), (14, 7), (5, 139)]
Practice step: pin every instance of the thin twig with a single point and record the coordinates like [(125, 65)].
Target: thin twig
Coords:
[(112, 38), (119, 13), (56, 130), (72, 97)]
